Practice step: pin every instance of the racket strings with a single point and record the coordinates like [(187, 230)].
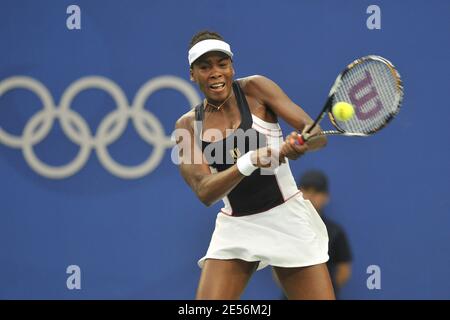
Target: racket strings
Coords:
[(374, 90)]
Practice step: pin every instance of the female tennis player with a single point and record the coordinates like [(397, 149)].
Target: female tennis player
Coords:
[(232, 149)]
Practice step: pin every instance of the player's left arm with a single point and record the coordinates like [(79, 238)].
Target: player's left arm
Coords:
[(269, 94)]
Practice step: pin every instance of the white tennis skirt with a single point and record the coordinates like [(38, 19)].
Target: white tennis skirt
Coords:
[(289, 235)]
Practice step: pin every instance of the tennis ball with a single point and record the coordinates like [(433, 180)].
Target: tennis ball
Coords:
[(343, 111)]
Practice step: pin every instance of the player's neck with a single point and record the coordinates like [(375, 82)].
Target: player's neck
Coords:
[(214, 106)]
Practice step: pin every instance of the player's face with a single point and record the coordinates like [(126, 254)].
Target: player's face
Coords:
[(214, 73)]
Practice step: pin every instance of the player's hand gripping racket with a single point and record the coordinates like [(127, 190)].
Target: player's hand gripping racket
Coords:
[(373, 87)]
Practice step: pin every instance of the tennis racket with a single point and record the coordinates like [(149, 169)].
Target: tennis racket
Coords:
[(373, 87)]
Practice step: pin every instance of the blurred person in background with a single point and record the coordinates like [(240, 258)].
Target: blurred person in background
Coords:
[(314, 185)]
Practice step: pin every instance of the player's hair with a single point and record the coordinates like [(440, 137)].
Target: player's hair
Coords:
[(204, 35)]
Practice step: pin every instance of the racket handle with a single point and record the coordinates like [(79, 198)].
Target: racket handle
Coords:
[(300, 140)]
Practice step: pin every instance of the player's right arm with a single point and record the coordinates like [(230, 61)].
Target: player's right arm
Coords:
[(209, 187)]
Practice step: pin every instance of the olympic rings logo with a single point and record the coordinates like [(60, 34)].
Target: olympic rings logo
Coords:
[(109, 130)]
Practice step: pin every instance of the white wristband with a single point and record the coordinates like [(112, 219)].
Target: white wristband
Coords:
[(245, 165)]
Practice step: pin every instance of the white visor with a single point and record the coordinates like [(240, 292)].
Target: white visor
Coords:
[(205, 46)]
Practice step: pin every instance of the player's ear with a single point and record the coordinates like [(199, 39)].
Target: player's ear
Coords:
[(191, 75)]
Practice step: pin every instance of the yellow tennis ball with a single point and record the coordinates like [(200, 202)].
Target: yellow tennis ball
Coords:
[(343, 111)]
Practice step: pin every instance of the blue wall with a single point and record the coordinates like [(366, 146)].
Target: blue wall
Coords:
[(140, 237)]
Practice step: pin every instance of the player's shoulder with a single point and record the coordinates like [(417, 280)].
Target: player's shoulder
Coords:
[(256, 84), (186, 120), (253, 81)]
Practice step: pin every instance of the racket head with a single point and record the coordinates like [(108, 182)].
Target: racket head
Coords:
[(373, 86)]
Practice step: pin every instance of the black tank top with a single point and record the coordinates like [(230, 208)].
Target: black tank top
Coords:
[(255, 193)]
